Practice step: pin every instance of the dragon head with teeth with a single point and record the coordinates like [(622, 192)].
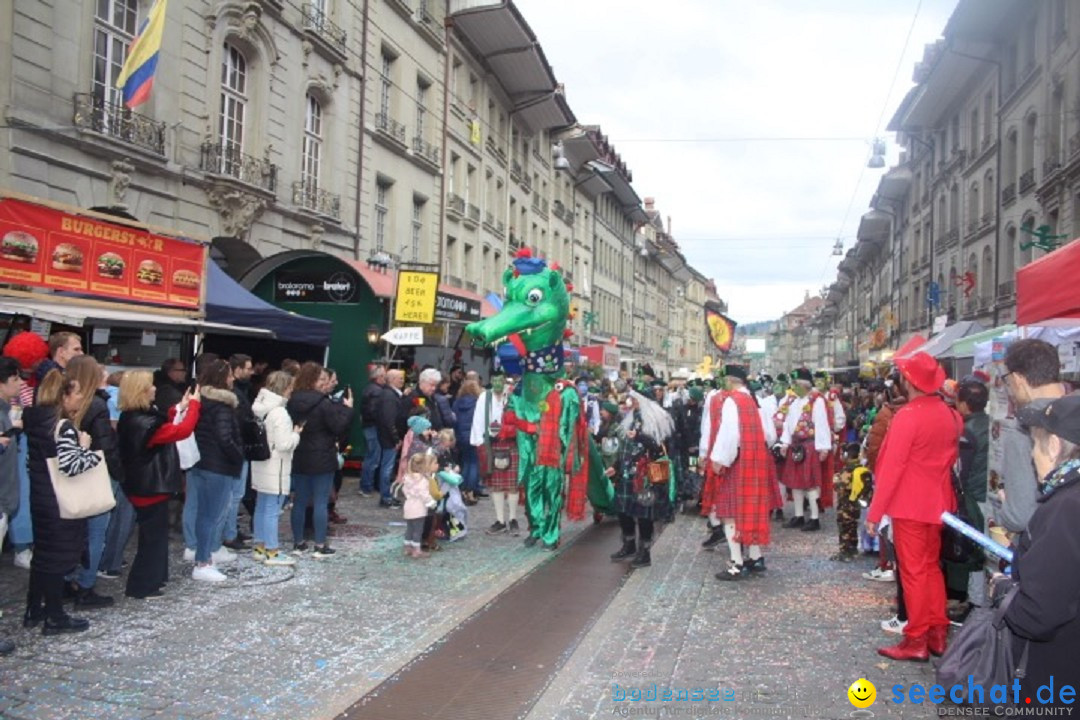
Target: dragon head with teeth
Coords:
[(537, 307)]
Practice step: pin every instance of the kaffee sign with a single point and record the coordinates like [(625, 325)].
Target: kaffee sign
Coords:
[(41, 246)]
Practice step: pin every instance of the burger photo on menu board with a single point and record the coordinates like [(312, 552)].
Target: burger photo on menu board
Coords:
[(149, 272), (19, 246), (67, 257), (110, 265), (185, 279)]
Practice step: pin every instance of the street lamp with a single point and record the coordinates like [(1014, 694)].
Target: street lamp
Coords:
[(373, 335)]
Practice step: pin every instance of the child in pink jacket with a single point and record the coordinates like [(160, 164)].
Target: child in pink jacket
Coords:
[(416, 486)]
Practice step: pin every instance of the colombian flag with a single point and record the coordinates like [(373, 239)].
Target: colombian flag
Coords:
[(137, 75)]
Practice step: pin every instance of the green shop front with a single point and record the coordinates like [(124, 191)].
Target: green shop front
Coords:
[(320, 285)]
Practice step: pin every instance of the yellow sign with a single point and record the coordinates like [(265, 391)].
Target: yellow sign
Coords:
[(415, 298), (474, 132)]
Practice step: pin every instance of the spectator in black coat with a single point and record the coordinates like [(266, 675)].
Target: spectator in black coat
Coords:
[(170, 383), (85, 370), (315, 459), (388, 430), (242, 369), (58, 543), (370, 399), (438, 406), (210, 481)]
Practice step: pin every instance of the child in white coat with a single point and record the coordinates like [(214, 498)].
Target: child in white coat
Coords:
[(271, 479)]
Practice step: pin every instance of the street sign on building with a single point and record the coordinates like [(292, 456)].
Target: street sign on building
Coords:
[(454, 308)]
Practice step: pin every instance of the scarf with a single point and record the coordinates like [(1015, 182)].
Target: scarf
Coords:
[(1068, 471)]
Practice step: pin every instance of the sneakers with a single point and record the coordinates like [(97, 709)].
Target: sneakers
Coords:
[(894, 625), (514, 529), (23, 558), (259, 554), (189, 555), (235, 544), (880, 575), (496, 528), (323, 551), (222, 556), (207, 573), (300, 548), (108, 574), (278, 558)]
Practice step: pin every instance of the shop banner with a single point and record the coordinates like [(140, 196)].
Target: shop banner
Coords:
[(414, 301), (43, 247), (454, 308), (338, 287)]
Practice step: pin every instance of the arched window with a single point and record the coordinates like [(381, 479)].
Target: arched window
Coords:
[(1027, 153), (954, 207), (234, 98), (1007, 269), (1008, 171)]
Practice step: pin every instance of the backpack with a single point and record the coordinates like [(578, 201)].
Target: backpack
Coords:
[(983, 649), (253, 435)]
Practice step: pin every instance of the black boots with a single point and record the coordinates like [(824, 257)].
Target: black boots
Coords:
[(716, 536), (796, 522), (812, 525), (643, 559), (629, 548), (64, 624)]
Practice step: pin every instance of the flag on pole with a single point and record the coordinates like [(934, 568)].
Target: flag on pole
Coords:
[(137, 75), (720, 327)]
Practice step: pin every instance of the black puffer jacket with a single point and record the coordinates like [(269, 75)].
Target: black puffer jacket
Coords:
[(149, 470), (97, 425), (58, 543), (324, 422), (218, 433)]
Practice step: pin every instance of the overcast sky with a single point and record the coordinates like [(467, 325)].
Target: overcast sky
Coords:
[(679, 86)]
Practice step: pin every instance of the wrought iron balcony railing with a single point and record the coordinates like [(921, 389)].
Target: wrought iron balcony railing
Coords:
[(228, 160), (1027, 180), (1008, 193), (315, 20), (310, 196), (116, 121), (423, 149), (515, 170), (456, 203), (389, 126), (558, 209), (473, 213)]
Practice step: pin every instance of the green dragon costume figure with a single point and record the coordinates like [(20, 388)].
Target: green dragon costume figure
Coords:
[(554, 445)]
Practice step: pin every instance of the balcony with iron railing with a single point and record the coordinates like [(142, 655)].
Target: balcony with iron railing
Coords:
[(494, 148), (228, 161), (119, 123), (473, 213), (952, 237), (318, 26), (526, 183), (390, 128), (515, 240), (1051, 164), (425, 151), (455, 204), (1006, 289), (1027, 180), (515, 170), (988, 218), (310, 196), (558, 209), (1008, 193), (429, 15)]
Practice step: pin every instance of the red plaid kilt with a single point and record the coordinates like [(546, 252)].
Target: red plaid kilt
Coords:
[(805, 475), (828, 470), (776, 500), (718, 495), (500, 480)]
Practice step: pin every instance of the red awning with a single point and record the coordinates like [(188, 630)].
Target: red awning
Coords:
[(1046, 289), (383, 285)]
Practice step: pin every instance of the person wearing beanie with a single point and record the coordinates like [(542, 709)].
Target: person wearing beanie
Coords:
[(805, 444), (738, 476), (913, 486)]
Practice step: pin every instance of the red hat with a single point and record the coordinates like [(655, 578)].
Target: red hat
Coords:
[(922, 371)]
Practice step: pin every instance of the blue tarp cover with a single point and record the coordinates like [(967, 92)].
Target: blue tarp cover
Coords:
[(228, 302)]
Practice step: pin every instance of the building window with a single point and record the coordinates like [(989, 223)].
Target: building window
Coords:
[(417, 227), (385, 83), (382, 211), (422, 86), (311, 170), (989, 198), (1027, 156), (114, 28), (988, 114), (233, 107)]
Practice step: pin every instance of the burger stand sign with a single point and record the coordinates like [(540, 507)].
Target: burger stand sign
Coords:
[(45, 247)]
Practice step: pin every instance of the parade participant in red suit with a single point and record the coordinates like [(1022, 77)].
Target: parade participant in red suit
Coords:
[(913, 486), (806, 443), (740, 460)]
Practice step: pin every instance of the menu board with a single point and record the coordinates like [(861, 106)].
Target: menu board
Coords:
[(44, 247)]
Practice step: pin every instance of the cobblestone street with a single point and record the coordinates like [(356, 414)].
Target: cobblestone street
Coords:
[(273, 643)]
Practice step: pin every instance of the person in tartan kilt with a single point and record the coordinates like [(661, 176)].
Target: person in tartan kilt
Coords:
[(805, 444), (643, 429), (782, 399), (496, 445), (834, 406), (741, 462), (710, 425)]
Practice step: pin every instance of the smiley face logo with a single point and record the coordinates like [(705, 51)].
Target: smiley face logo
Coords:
[(862, 693)]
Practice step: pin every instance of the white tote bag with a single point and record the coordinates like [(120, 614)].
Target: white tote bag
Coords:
[(187, 448), (84, 495)]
